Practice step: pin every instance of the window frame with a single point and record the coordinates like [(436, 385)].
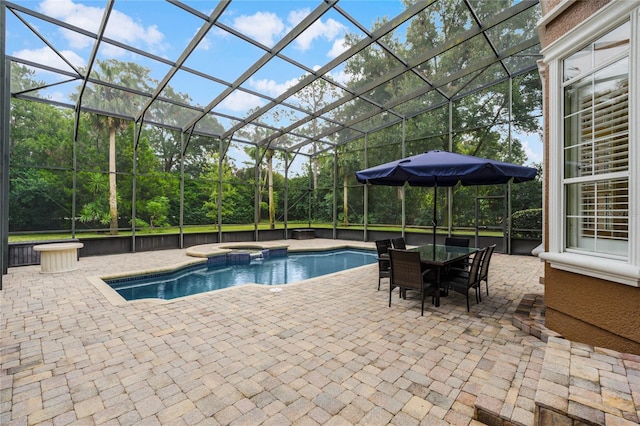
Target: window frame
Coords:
[(611, 268), (596, 176)]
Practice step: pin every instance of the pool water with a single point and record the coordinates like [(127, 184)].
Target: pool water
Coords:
[(270, 271)]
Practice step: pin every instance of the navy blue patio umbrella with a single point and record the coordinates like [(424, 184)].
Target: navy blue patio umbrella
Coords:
[(443, 168)]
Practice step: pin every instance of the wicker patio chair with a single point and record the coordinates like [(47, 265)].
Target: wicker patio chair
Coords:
[(399, 244), (464, 281), (484, 267), (407, 274), (384, 264), (457, 242)]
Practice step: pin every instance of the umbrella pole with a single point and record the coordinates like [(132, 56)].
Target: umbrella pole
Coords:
[(435, 217)]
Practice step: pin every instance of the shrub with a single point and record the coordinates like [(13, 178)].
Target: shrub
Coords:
[(527, 223)]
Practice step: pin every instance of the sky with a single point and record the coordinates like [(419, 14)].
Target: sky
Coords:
[(164, 30), (151, 26)]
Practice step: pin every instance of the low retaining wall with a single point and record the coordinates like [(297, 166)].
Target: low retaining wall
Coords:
[(22, 253)]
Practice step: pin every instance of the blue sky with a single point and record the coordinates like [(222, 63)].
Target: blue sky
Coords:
[(165, 30)]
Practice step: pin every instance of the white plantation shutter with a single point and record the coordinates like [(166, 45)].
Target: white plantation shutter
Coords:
[(597, 147)]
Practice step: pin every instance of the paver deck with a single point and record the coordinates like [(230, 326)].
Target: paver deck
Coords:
[(324, 351)]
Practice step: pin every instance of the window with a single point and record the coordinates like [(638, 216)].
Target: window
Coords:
[(594, 146)]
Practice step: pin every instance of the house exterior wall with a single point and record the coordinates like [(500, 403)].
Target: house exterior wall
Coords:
[(591, 310), (580, 307), (575, 13)]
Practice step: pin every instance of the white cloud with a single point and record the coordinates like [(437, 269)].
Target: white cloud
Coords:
[(329, 30), (265, 27), (341, 76), (46, 56), (207, 43), (121, 27), (58, 97), (339, 46), (239, 101), (272, 87), (296, 16), (110, 51), (85, 17), (532, 146), (532, 156), (261, 26), (75, 40)]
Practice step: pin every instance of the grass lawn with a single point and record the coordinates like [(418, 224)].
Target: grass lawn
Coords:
[(45, 236)]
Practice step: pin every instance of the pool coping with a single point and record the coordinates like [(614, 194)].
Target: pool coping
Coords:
[(213, 250), (200, 255)]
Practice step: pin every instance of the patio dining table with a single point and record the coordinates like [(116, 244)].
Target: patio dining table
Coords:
[(440, 256)]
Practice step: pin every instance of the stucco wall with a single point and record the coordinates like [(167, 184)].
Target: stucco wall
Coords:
[(593, 311)]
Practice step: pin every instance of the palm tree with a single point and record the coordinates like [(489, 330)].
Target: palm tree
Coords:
[(110, 99)]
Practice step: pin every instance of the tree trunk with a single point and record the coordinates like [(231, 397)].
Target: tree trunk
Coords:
[(345, 202), (113, 199), (315, 173), (260, 189), (314, 164)]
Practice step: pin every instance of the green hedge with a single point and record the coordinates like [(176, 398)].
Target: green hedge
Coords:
[(527, 223)]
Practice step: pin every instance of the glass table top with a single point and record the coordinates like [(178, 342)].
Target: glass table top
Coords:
[(443, 254)]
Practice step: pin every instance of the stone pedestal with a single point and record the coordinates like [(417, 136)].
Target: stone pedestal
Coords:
[(58, 257)]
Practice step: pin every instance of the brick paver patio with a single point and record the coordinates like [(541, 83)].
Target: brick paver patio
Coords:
[(325, 351)]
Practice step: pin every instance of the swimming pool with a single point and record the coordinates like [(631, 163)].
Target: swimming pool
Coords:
[(267, 271)]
